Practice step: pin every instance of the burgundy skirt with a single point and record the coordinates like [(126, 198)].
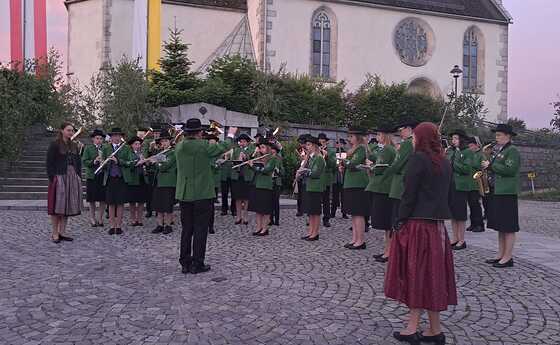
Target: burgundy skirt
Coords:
[(420, 273)]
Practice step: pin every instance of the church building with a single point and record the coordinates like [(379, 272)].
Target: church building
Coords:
[(413, 41)]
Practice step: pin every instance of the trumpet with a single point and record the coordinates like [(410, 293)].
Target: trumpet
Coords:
[(215, 126)]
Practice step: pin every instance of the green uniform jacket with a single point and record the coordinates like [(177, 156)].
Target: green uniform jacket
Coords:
[(263, 177), (194, 173), (122, 156), (279, 172), (150, 168), (130, 170), (166, 172), (356, 178), (379, 180), (463, 172), (248, 173), (330, 167), (506, 168), (88, 157), (398, 169), (314, 181)]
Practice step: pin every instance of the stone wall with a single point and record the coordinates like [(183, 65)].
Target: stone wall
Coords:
[(542, 160)]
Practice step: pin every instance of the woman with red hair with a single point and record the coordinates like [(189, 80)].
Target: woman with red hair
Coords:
[(420, 273)]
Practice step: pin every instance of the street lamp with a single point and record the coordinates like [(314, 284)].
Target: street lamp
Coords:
[(456, 73)]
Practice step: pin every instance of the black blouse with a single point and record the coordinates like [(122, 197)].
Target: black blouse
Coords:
[(426, 193), (57, 162)]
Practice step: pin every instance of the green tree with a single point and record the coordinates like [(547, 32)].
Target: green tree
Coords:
[(175, 83), (466, 112), (555, 122), (517, 124)]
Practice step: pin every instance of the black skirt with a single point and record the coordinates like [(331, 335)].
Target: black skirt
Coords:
[(503, 213), (312, 203), (381, 212), (395, 205), (116, 191), (240, 190), (95, 190), (458, 205), (138, 194), (261, 201), (356, 202), (163, 199)]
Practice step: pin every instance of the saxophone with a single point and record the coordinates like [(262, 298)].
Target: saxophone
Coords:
[(481, 176)]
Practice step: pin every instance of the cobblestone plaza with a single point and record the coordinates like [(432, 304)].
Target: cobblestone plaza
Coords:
[(128, 289)]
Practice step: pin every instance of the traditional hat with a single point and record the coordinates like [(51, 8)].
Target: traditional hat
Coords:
[(164, 135), (459, 132), (384, 129), (342, 141), (116, 130), (323, 136), (193, 125), (301, 138), (357, 130), (134, 139), (311, 139), (504, 128), (244, 136), (97, 132), (410, 123), (470, 140)]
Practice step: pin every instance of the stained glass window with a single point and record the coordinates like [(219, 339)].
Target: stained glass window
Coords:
[(470, 61), (321, 48)]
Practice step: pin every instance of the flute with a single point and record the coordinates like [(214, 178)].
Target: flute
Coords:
[(110, 156)]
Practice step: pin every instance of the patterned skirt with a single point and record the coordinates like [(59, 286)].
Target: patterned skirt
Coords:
[(65, 194)]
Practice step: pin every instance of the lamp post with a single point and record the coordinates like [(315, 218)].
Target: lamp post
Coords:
[(456, 73)]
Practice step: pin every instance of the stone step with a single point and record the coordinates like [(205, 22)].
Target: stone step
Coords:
[(11, 181), (26, 189), (28, 169), (25, 174), (28, 164)]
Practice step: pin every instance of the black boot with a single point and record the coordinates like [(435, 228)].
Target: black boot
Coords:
[(158, 230), (326, 223), (167, 229)]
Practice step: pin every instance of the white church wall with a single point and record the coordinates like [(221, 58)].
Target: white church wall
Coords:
[(204, 28), (85, 21), (122, 19), (365, 45)]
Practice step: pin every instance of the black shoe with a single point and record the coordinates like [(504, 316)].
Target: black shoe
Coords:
[(158, 230), (211, 231), (167, 230), (299, 214), (459, 247), (349, 245), (305, 237), (256, 233), (382, 259), (118, 231), (55, 240), (492, 261), (411, 339), (362, 246), (224, 213), (453, 244), (316, 238), (246, 223), (367, 228), (469, 228), (139, 224), (64, 238), (504, 265), (478, 228), (277, 223), (186, 269), (344, 216), (112, 231), (378, 255), (271, 223), (434, 339), (326, 223), (266, 233), (148, 214), (195, 269), (237, 222)]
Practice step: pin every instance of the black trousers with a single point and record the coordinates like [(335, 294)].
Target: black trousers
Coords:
[(336, 198), (327, 203), (195, 219), (275, 216), (213, 213), (473, 199), (225, 187), (301, 189)]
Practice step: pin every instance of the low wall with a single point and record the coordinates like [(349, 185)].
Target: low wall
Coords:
[(544, 161)]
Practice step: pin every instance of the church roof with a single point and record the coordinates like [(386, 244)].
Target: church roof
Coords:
[(484, 9), (233, 4)]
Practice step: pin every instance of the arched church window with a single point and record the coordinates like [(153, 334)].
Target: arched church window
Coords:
[(321, 46), (473, 61)]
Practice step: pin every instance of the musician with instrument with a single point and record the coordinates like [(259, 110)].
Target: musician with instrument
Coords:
[(299, 183), (213, 139), (460, 158), (503, 177), (277, 174), (115, 153), (312, 174), (137, 188), (195, 192), (356, 200), (226, 184), (381, 157), (262, 196), (64, 168), (338, 180), (474, 195), (150, 148), (242, 177), (95, 191), (329, 155)]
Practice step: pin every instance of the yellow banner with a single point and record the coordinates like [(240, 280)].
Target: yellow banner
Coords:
[(154, 33)]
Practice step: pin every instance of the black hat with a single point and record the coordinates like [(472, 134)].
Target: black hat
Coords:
[(384, 129), (357, 130), (134, 139), (164, 135), (458, 132), (142, 129), (373, 141), (192, 125), (116, 130), (244, 136), (266, 142), (258, 135), (311, 139), (470, 140), (411, 123), (301, 138), (342, 141), (323, 136), (504, 128), (97, 132)]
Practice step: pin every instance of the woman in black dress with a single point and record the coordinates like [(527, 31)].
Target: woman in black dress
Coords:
[(311, 173), (95, 191), (64, 167), (135, 180)]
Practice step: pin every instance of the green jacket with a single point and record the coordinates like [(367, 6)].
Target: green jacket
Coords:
[(194, 173), (122, 156), (130, 170), (166, 172), (150, 168), (330, 167), (379, 179), (353, 177), (506, 167), (88, 157), (279, 172), (398, 169), (263, 176), (314, 181), (461, 161), (248, 173)]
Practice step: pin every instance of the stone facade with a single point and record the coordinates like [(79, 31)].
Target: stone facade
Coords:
[(544, 161)]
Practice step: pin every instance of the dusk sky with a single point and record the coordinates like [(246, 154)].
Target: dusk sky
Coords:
[(534, 53)]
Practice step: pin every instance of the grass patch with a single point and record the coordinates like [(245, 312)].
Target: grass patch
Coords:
[(552, 195)]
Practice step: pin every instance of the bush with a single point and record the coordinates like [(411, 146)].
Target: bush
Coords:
[(291, 162)]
